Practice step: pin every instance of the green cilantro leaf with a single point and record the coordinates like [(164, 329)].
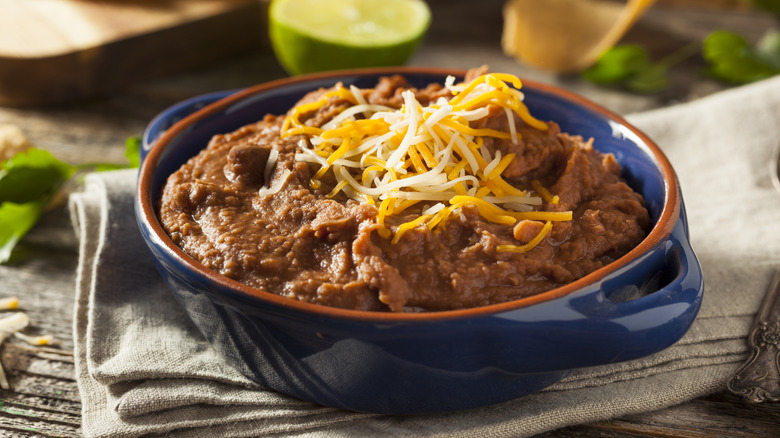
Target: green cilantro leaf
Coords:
[(618, 64), (27, 182), (629, 66), (133, 150), (32, 175), (732, 59), (15, 221), (30, 179), (648, 81)]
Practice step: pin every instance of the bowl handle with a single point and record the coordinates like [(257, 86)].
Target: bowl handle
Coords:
[(645, 308)]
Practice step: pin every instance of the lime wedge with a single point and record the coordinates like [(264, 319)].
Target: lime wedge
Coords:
[(318, 35)]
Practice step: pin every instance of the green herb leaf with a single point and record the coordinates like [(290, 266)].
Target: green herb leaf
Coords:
[(629, 66), (618, 64), (27, 182), (15, 221), (732, 59), (104, 167), (31, 176), (648, 81), (30, 179), (133, 150)]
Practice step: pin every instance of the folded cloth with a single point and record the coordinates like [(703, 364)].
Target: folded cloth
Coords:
[(144, 369)]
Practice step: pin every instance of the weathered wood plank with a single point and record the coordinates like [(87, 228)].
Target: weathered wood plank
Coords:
[(32, 384), (40, 361), (44, 403), (31, 432), (30, 413), (26, 424), (719, 415)]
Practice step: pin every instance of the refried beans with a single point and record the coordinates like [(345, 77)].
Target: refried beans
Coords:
[(249, 207)]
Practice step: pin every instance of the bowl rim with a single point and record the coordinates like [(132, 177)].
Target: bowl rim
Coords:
[(145, 203)]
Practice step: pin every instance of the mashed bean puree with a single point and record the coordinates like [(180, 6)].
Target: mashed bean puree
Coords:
[(303, 241)]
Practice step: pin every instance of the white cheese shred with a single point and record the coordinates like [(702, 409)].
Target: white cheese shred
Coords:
[(276, 185), (9, 303), (269, 165), (14, 322), (35, 340), (11, 324)]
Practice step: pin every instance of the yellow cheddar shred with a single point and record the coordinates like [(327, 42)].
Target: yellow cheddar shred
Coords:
[(403, 228), (530, 245), (9, 303), (544, 193)]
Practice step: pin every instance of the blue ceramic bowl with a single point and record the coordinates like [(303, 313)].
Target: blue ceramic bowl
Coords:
[(439, 361)]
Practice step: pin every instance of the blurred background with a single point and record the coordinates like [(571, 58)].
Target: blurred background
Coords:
[(59, 51), (129, 59)]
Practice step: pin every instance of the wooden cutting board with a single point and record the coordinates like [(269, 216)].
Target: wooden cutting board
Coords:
[(55, 51)]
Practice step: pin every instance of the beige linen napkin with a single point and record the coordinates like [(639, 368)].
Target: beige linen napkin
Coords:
[(143, 369)]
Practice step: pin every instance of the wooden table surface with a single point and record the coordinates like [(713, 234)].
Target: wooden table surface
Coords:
[(44, 399)]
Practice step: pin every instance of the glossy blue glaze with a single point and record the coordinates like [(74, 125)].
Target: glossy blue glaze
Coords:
[(174, 114), (454, 360)]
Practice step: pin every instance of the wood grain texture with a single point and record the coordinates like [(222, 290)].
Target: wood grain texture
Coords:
[(54, 27), (54, 51), (44, 399)]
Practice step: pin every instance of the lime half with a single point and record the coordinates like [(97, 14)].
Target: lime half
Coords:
[(318, 35)]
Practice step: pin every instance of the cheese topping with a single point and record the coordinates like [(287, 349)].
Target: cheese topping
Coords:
[(9, 303), (428, 155)]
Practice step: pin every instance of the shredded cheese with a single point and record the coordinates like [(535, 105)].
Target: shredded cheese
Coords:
[(14, 322), (9, 303), (422, 154), (531, 244), (544, 193), (35, 340), (277, 184), (11, 324)]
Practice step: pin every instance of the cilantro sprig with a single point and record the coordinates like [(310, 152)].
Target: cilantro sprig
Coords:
[(729, 56), (629, 66), (28, 182), (732, 59)]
